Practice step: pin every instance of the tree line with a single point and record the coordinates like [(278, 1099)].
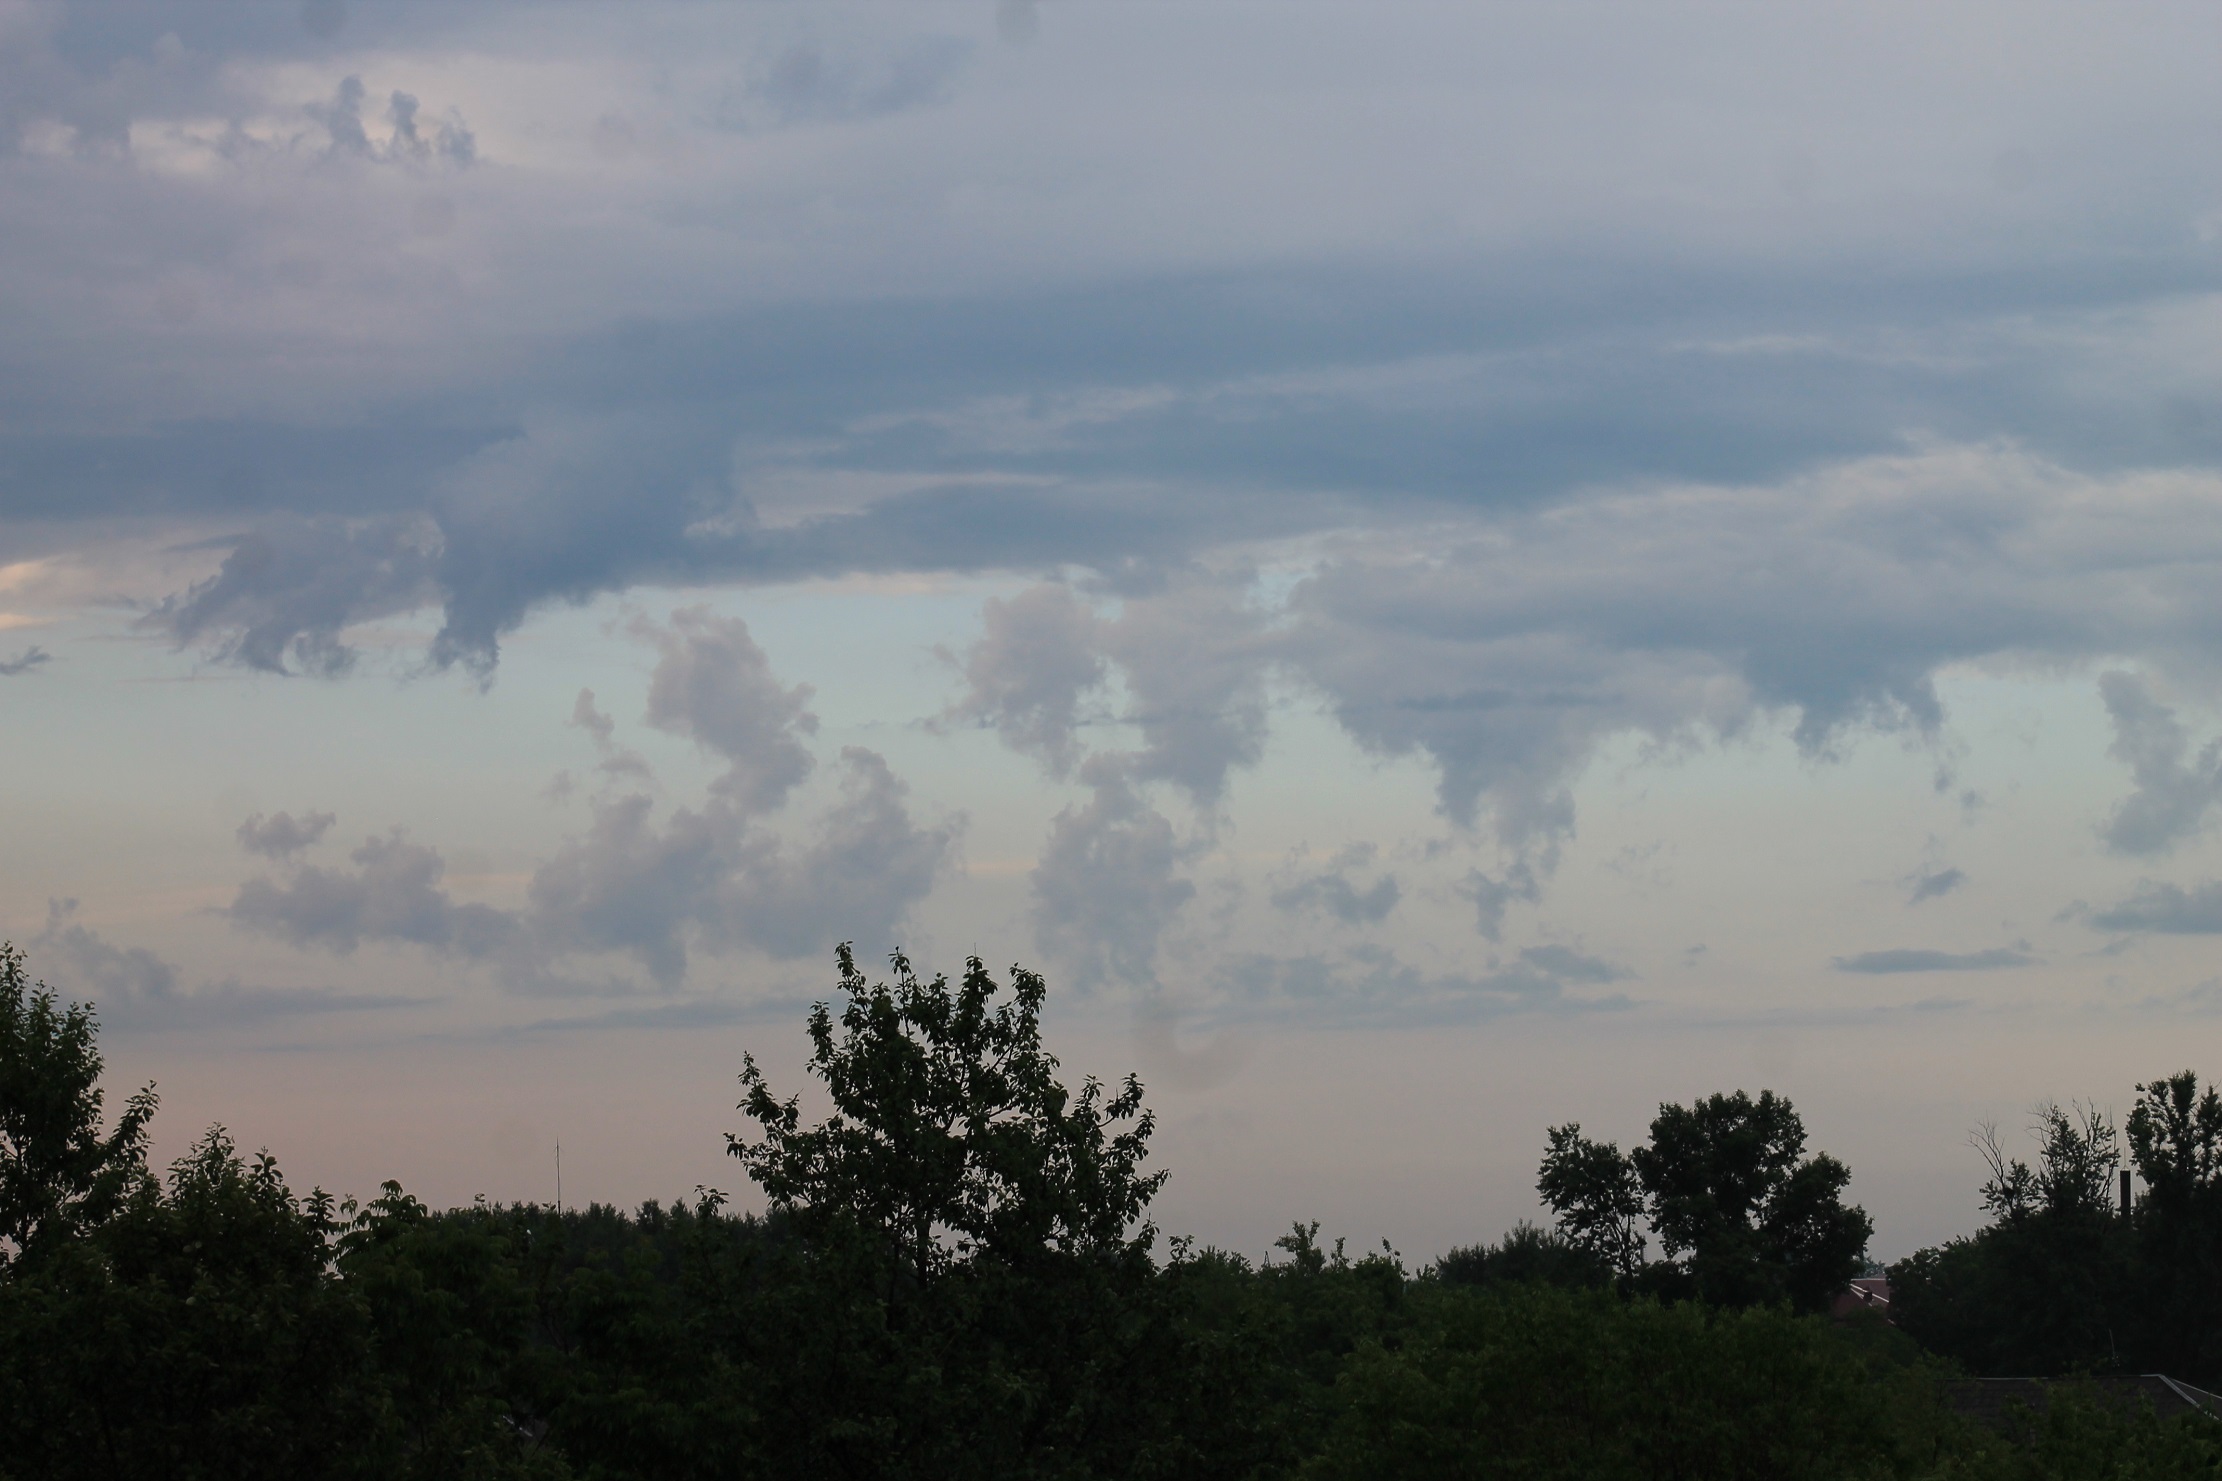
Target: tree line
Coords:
[(957, 1276)]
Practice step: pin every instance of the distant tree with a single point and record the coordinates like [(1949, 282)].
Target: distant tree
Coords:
[(1526, 1255), (59, 1174), (1744, 1217)]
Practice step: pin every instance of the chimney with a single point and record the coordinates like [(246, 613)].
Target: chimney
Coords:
[(2125, 1193)]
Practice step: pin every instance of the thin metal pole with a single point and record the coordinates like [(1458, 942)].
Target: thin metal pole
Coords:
[(559, 1177)]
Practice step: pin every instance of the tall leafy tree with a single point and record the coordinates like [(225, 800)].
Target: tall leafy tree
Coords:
[(952, 1138), (1749, 1218), (1744, 1216), (59, 1173), (974, 1288), (1592, 1188)]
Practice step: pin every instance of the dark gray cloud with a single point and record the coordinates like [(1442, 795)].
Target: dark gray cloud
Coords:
[(1330, 891), (1883, 963), (24, 662), (2174, 789), (1933, 884), (2169, 909), (1107, 885), (286, 592)]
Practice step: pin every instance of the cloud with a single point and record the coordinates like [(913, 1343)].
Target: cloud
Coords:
[(2168, 909), (1107, 885), (394, 893), (1492, 895), (24, 662), (449, 140), (1568, 965), (282, 835), (137, 989), (617, 761), (705, 878), (1036, 657), (1932, 884), (1371, 984), (105, 971), (805, 85), (1194, 656), (285, 593), (1331, 893), (1880, 963), (708, 878), (2173, 794), (714, 685)]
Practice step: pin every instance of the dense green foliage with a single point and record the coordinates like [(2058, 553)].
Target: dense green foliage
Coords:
[(957, 1277)]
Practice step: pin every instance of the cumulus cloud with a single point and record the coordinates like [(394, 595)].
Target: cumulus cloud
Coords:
[(1036, 659), (1331, 893), (281, 835), (105, 971), (394, 893), (1107, 885), (2168, 909), (715, 685), (2174, 790), (1884, 963), (654, 888), (1194, 656), (707, 878)]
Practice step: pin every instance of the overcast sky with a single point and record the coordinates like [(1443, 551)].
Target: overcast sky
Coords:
[(1439, 569)]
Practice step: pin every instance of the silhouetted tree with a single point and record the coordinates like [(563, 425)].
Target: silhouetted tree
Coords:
[(2175, 1139), (1744, 1217), (59, 1175), (2044, 1288)]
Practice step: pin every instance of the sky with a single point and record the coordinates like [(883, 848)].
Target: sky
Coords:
[(1441, 570)]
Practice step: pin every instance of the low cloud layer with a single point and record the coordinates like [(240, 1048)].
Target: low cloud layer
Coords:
[(1887, 963)]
